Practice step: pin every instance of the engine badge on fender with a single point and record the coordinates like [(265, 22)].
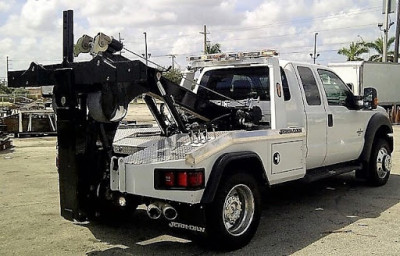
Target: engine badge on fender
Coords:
[(290, 130)]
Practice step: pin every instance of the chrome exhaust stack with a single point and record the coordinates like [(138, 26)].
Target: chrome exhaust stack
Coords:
[(169, 212), (154, 211)]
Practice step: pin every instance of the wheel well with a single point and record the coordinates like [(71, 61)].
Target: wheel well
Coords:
[(382, 133), (230, 164), (379, 126)]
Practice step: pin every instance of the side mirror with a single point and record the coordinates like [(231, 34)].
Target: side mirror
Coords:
[(370, 98)]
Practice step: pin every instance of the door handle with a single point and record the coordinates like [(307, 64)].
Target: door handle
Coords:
[(330, 120)]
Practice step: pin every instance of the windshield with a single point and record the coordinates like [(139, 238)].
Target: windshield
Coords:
[(236, 83)]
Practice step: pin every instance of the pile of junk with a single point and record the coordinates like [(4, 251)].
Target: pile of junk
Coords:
[(24, 116)]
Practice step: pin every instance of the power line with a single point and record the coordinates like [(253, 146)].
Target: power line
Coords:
[(30, 60), (277, 23), (305, 47), (277, 36), (333, 50), (300, 33)]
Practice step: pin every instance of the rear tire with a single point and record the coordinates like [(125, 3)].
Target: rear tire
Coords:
[(380, 163), (233, 217)]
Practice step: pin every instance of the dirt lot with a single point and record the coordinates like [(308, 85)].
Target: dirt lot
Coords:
[(339, 216)]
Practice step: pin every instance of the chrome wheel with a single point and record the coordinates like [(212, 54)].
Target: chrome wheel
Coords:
[(233, 217), (238, 210), (383, 163)]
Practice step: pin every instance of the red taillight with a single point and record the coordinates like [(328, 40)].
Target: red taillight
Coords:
[(182, 179), (195, 179), (179, 179), (169, 179)]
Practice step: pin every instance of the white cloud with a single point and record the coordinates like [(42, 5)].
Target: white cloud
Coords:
[(33, 31), (4, 6)]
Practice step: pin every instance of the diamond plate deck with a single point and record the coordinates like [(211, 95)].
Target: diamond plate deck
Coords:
[(131, 140), (171, 148)]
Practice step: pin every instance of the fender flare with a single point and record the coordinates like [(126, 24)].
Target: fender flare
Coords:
[(377, 121), (219, 168)]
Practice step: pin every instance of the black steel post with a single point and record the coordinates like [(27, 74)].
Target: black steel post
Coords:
[(68, 36)]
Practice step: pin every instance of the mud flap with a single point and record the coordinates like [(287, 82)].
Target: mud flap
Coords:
[(191, 218)]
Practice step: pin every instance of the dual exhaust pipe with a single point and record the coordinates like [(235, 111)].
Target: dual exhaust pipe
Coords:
[(155, 210)]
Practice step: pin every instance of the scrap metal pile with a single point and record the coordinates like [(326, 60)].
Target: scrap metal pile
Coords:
[(5, 141)]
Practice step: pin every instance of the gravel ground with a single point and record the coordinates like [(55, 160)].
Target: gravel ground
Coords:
[(338, 216)]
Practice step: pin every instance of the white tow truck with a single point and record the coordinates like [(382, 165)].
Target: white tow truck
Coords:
[(249, 121), (311, 127)]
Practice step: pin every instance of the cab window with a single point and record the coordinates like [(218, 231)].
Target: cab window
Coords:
[(285, 85), (235, 83), (336, 90), (310, 86)]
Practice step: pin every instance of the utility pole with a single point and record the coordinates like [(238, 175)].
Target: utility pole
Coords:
[(205, 38), (173, 61), (315, 55), (120, 40), (145, 48), (396, 43), (385, 31), (7, 70)]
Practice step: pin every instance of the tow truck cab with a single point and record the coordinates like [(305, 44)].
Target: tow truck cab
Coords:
[(314, 97)]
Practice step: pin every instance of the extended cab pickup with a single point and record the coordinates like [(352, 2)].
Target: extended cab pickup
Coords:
[(237, 123), (310, 126)]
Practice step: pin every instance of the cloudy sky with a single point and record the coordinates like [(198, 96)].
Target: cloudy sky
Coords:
[(32, 30)]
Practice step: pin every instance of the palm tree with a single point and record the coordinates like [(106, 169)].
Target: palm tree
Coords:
[(377, 45), (354, 51)]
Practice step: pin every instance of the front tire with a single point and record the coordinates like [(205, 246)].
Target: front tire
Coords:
[(233, 217), (380, 163)]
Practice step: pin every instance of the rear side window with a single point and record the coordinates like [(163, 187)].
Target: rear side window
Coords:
[(285, 85), (235, 83), (310, 86)]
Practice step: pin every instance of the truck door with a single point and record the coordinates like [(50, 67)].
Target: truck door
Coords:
[(316, 117), (345, 125)]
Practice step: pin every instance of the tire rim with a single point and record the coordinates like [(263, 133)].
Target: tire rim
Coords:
[(383, 163), (238, 210)]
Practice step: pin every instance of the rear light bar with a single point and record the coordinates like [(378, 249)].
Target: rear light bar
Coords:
[(179, 179)]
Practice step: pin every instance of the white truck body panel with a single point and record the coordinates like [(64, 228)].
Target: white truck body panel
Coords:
[(135, 174), (345, 136), (316, 125), (325, 145), (384, 77)]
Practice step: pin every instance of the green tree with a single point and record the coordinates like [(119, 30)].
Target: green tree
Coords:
[(377, 45), (174, 75), (215, 48), (4, 89), (354, 51)]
